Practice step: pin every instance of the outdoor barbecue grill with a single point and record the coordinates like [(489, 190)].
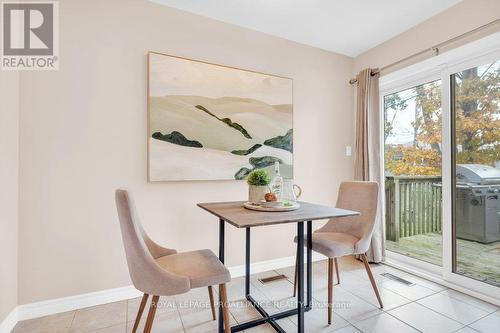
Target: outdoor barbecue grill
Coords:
[(477, 212)]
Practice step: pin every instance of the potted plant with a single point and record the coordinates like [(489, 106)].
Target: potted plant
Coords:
[(258, 181)]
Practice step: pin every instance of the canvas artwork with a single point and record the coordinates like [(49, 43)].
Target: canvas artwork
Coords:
[(211, 122)]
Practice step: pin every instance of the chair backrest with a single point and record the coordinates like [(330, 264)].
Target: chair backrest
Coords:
[(360, 196), (145, 273)]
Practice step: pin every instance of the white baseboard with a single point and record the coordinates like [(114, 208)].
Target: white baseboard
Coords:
[(10, 321), (268, 265), (53, 306), (45, 308)]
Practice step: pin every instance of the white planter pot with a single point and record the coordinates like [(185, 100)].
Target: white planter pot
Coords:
[(256, 193)]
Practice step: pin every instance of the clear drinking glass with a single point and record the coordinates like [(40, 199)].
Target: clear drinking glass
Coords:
[(288, 195)]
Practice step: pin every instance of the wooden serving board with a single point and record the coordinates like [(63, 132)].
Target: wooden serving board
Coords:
[(251, 206)]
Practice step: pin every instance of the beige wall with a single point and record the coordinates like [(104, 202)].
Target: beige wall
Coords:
[(465, 16), (84, 134), (9, 166)]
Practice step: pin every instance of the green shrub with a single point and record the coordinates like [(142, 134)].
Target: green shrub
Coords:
[(258, 178)]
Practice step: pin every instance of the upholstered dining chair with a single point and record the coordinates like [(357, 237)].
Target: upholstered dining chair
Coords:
[(348, 235), (159, 271)]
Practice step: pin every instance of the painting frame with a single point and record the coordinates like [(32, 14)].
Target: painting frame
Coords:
[(149, 112)]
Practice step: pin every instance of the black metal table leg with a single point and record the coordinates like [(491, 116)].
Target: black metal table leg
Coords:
[(247, 263), (266, 317), (300, 279), (221, 258), (309, 264)]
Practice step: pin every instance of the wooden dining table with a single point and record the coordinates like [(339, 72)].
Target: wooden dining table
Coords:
[(236, 215)]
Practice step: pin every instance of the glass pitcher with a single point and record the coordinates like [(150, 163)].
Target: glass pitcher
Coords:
[(288, 194)]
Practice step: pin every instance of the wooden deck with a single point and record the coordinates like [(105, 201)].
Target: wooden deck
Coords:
[(476, 260)]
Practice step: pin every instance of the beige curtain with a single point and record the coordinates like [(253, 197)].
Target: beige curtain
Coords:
[(367, 148)]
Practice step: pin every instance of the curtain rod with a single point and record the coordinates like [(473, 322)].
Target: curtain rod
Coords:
[(434, 48)]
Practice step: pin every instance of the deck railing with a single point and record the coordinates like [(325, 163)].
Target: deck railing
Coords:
[(413, 205)]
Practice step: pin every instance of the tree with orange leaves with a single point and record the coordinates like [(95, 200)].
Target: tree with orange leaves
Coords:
[(477, 123)]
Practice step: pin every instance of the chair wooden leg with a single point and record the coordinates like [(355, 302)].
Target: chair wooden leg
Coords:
[(372, 280), (330, 290), (139, 313), (296, 274), (225, 307), (337, 270), (212, 302), (151, 314)]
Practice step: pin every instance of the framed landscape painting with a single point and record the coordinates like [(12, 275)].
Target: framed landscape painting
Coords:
[(212, 122)]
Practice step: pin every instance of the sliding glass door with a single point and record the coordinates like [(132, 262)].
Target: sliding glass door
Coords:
[(412, 167), (475, 110), (441, 162)]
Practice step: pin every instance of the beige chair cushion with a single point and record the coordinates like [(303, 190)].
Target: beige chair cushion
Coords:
[(349, 235), (202, 267), (332, 244), (363, 198), (160, 271), (147, 276)]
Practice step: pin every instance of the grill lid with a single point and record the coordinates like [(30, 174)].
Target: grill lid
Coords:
[(477, 174)]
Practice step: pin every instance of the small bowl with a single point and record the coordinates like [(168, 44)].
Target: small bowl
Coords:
[(271, 204)]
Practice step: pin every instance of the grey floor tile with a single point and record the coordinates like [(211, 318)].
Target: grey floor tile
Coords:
[(390, 299), (277, 290), (425, 283), (347, 329), (348, 306), (57, 323), (316, 320), (201, 321), (383, 323), (284, 323), (378, 269), (169, 322), (122, 328), (488, 324), (424, 319), (452, 308), (351, 281), (361, 273), (236, 289), (165, 304), (194, 300), (243, 311), (101, 316), (355, 307), (471, 300), (466, 329), (413, 292)]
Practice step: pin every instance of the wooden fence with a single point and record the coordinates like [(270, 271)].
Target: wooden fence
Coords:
[(413, 206)]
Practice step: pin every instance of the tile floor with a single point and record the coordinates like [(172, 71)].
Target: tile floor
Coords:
[(423, 307)]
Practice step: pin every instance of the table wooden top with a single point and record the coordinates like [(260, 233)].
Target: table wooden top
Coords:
[(234, 213)]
